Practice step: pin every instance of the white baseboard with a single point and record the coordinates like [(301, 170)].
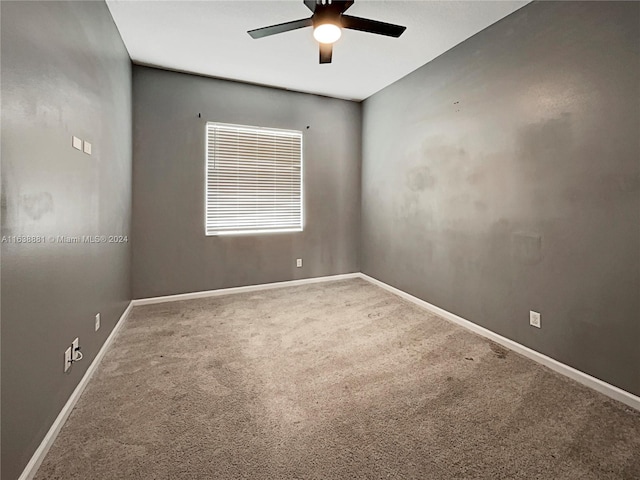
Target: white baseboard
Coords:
[(596, 384), (248, 288), (36, 460), (581, 377)]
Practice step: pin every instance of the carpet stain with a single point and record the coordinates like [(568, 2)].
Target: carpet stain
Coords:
[(165, 333), (498, 350)]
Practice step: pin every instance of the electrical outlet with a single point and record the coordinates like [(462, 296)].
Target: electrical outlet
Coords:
[(97, 322), (534, 319), (67, 359), (299, 262), (76, 353)]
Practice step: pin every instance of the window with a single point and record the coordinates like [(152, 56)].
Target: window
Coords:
[(253, 180)]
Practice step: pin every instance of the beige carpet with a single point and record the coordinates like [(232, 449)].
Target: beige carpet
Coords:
[(331, 381)]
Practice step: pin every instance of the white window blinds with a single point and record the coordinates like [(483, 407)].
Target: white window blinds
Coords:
[(253, 180)]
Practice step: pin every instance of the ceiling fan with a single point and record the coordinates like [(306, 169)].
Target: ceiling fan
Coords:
[(328, 20)]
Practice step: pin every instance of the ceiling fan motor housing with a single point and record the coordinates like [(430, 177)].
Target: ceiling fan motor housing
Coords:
[(329, 13)]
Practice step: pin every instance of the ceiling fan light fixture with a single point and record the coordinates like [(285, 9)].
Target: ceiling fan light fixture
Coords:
[(328, 20), (327, 33)]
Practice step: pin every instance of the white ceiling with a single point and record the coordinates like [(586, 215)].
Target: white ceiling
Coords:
[(210, 38)]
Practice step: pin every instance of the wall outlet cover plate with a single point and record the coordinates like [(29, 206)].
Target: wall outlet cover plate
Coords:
[(534, 319), (67, 359)]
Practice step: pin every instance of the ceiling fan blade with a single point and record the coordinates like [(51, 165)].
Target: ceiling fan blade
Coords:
[(311, 4), (326, 50), (372, 26), (280, 28), (344, 4)]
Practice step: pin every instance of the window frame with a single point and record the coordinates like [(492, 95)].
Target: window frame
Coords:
[(256, 231)]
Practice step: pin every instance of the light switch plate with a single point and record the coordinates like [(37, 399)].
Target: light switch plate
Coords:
[(97, 322), (77, 143), (87, 148)]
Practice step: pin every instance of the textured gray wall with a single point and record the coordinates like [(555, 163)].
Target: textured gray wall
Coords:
[(65, 72), (504, 177), (171, 253)]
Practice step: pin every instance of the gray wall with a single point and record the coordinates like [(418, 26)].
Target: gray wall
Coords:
[(65, 72), (171, 253), (504, 177)]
